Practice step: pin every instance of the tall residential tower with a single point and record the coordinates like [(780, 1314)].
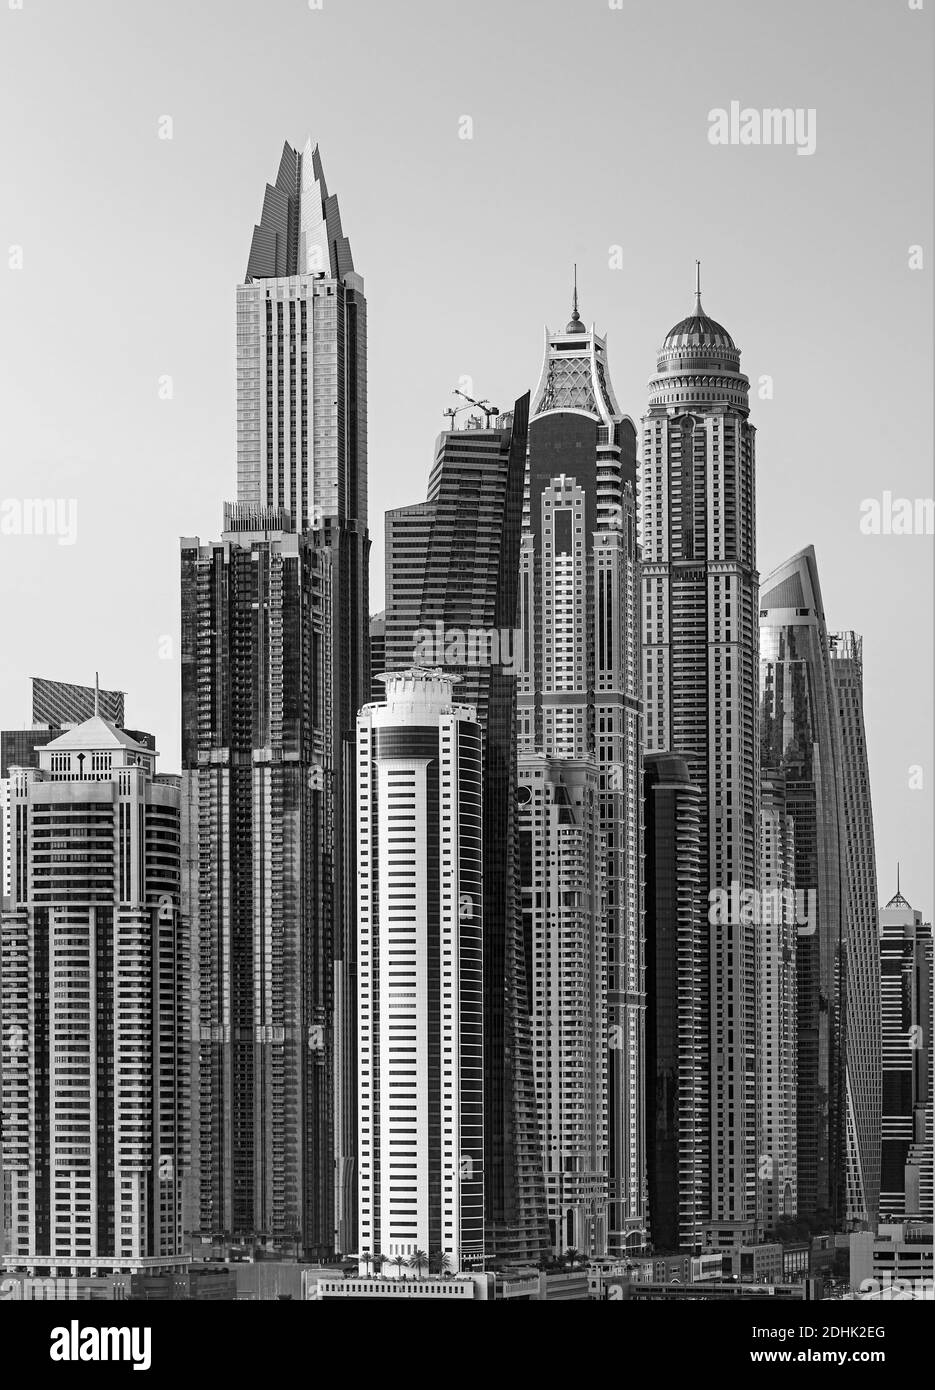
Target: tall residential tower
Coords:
[(421, 982), (699, 605)]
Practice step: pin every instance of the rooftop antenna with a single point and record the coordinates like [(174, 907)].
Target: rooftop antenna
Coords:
[(897, 878)]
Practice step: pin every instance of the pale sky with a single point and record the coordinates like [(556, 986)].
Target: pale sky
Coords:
[(590, 133)]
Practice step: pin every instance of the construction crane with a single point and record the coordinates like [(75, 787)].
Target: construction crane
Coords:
[(489, 410)]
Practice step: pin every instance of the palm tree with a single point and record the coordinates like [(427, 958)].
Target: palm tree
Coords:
[(417, 1260), (444, 1263), (398, 1261), (379, 1261), (572, 1256), (367, 1258)]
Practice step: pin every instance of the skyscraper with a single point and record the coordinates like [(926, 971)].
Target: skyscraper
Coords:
[(579, 685), (777, 1177), (275, 668), (678, 1041), (699, 602), (421, 974), (906, 990), (863, 1043), (800, 738), (563, 862), (451, 591), (93, 998)]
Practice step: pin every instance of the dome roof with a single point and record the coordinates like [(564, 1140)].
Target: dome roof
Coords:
[(699, 331)]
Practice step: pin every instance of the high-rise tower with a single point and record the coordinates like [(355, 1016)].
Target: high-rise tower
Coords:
[(421, 980), (579, 687), (452, 566), (699, 603), (275, 667)]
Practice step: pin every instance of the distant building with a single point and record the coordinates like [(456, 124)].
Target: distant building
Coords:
[(93, 998)]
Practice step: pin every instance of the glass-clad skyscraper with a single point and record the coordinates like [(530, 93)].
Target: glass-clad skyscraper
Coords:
[(800, 739), (451, 592)]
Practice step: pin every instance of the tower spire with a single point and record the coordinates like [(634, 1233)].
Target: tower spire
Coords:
[(698, 311), (574, 324)]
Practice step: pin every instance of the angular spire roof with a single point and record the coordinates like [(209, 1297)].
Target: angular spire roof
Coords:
[(299, 232)]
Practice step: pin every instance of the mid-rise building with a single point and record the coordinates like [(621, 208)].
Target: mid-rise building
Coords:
[(563, 860), (93, 980), (579, 686), (420, 1012), (699, 606), (678, 1042), (906, 1002)]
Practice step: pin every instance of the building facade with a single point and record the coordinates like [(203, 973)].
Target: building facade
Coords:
[(564, 864), (452, 564), (93, 997), (906, 1006), (678, 1041), (699, 604), (777, 1173), (421, 976), (579, 689), (257, 878)]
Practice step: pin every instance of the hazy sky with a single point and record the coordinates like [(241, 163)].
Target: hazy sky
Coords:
[(590, 132)]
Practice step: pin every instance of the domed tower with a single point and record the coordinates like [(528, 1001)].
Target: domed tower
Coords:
[(699, 606)]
